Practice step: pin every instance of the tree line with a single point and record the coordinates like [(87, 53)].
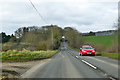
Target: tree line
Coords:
[(4, 37), (35, 38), (42, 38), (73, 37)]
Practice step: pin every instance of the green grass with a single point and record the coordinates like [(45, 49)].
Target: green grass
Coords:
[(26, 55), (110, 55), (105, 40)]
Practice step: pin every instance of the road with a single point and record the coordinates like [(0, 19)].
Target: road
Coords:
[(68, 64)]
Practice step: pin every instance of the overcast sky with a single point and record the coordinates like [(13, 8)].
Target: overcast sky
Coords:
[(84, 15)]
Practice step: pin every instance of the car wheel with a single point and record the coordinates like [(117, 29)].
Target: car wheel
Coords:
[(81, 54), (93, 54)]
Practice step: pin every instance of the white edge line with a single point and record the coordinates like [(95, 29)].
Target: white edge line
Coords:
[(77, 57), (89, 64), (112, 78)]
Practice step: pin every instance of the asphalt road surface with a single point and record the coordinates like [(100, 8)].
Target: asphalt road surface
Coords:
[(68, 64)]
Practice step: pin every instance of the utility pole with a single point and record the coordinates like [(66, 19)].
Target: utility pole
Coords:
[(52, 35)]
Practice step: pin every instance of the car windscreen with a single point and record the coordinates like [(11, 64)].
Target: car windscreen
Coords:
[(87, 48)]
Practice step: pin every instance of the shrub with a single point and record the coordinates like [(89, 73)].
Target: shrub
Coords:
[(99, 48), (42, 46)]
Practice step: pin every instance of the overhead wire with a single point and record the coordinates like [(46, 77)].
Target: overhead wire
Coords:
[(38, 12)]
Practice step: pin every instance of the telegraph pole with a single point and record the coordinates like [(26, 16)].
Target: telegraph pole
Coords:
[(52, 34)]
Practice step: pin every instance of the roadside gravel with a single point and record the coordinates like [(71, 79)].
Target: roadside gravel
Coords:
[(15, 69)]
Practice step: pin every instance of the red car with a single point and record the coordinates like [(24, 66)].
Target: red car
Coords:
[(87, 50)]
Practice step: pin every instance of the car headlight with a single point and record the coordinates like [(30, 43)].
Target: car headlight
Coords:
[(93, 51), (84, 51)]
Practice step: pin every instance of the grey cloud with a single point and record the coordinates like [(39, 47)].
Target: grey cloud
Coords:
[(59, 13)]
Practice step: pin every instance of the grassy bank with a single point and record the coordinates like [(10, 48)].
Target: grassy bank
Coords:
[(105, 40), (103, 43), (26, 55), (110, 55)]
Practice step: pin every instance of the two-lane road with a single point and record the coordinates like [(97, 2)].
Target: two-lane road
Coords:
[(65, 65)]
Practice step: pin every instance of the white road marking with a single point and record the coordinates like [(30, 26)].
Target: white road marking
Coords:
[(114, 65), (112, 78), (77, 57), (89, 64)]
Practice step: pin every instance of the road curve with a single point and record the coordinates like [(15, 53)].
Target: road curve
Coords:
[(65, 65)]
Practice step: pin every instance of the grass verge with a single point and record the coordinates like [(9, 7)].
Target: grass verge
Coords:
[(109, 55), (19, 56)]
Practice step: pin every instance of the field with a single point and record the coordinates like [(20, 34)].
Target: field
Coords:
[(26, 55), (105, 40)]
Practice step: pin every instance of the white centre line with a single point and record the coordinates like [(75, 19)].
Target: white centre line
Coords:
[(89, 64), (77, 57), (112, 78), (112, 64)]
